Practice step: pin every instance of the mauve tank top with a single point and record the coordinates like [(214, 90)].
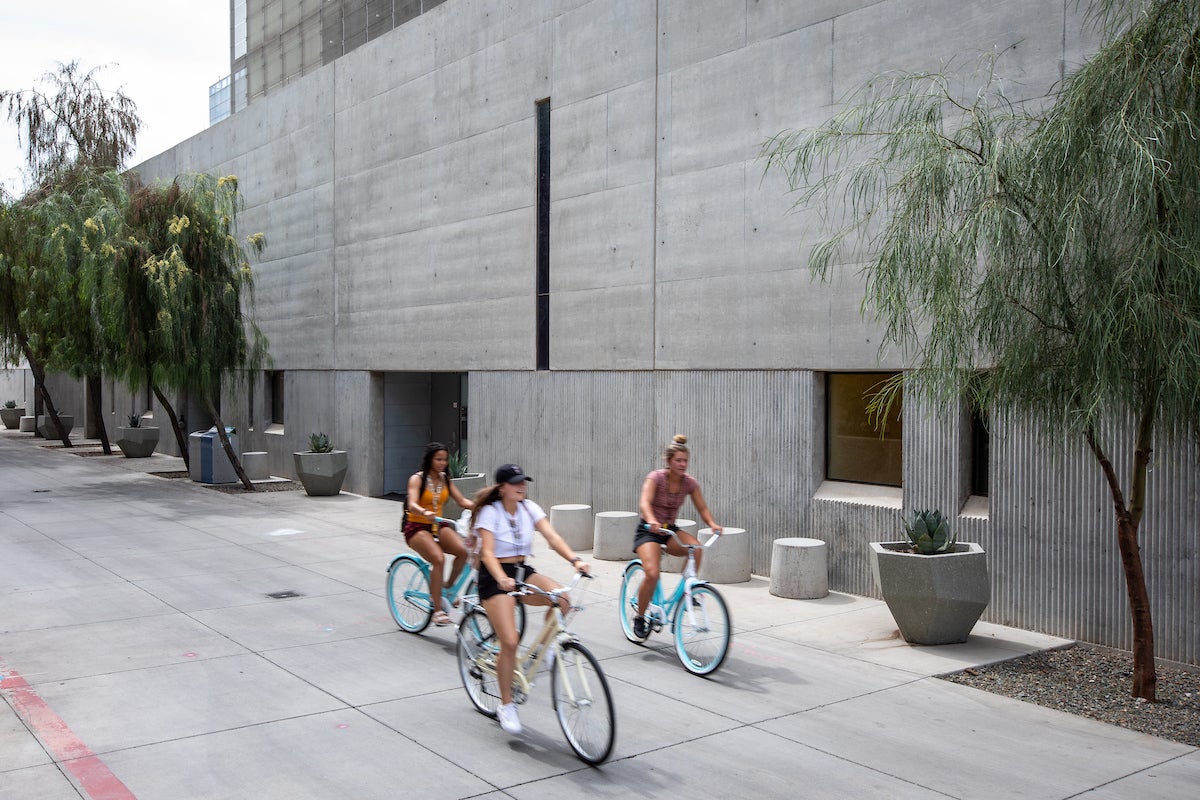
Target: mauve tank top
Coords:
[(665, 503)]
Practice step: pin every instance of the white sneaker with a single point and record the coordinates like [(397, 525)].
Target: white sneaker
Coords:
[(509, 721)]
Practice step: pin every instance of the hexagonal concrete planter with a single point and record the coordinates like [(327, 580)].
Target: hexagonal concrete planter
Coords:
[(138, 442), (321, 473), (934, 599), (45, 425), (11, 417)]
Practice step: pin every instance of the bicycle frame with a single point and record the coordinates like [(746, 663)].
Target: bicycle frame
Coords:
[(682, 592)]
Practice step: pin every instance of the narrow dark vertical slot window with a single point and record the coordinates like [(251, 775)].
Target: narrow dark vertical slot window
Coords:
[(543, 234), (981, 453)]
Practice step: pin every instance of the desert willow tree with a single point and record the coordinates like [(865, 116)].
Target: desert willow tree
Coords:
[(80, 221), (68, 126), (1056, 252), (182, 296)]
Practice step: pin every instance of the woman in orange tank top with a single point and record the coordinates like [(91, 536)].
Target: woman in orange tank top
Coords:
[(428, 490)]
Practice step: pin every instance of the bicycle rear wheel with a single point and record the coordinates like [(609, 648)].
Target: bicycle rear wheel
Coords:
[(477, 663), (408, 594), (583, 703), (702, 632), (631, 584)]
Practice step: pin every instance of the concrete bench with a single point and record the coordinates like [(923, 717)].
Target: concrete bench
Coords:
[(799, 568), (254, 464), (727, 561), (27, 424), (573, 521), (613, 539)]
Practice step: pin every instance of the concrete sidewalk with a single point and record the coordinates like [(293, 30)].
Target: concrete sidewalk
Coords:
[(143, 658)]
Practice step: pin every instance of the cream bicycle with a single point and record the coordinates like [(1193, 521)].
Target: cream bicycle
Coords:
[(579, 691)]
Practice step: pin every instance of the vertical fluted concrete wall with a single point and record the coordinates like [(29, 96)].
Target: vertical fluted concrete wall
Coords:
[(591, 437)]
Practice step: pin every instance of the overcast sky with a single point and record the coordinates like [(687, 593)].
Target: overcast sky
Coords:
[(164, 54)]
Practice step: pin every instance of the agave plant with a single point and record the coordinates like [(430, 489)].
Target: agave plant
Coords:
[(929, 533), (457, 464), (135, 421), (319, 443), (10, 403)]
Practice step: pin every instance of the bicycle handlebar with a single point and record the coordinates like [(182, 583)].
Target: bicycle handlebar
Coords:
[(524, 588), (645, 526)]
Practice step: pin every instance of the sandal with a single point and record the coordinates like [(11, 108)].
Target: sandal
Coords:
[(441, 619)]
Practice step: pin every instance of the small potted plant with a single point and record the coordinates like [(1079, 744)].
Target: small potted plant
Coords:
[(935, 586), (465, 481), (11, 414), (137, 440), (321, 468)]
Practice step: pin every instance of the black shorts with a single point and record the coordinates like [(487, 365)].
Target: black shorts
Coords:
[(487, 584), (641, 536)]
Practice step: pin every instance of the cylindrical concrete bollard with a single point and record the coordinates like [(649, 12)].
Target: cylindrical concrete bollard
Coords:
[(613, 539), (573, 521), (799, 568), (675, 563), (27, 424), (727, 561)]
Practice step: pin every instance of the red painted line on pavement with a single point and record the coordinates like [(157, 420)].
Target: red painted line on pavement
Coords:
[(93, 775)]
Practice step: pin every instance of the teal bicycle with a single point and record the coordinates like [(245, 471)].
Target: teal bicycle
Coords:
[(408, 595), (699, 618)]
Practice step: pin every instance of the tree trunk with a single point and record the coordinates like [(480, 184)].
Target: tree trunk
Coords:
[(94, 390), (179, 437), (233, 459), (39, 383), (1145, 679)]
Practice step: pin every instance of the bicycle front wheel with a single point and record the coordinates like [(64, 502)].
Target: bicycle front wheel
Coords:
[(631, 584), (583, 703), (703, 631), (408, 594), (477, 663)]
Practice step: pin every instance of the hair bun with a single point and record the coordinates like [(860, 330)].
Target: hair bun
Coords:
[(679, 438)]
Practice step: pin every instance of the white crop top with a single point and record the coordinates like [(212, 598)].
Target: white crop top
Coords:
[(513, 535)]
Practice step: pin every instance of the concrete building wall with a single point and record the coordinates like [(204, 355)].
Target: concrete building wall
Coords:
[(396, 186)]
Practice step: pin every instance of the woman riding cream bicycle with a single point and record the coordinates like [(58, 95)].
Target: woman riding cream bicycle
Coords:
[(428, 489), (663, 494), (505, 522)]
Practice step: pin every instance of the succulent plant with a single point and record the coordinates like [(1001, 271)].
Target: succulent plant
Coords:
[(319, 443), (929, 533), (10, 403), (457, 465), (135, 421)]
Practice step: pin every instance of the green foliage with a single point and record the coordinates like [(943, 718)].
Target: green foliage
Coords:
[(135, 421), (10, 403), (929, 533), (457, 464), (71, 124), (319, 443)]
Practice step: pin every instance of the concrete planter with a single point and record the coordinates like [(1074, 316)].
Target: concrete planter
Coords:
[(468, 484), (138, 442), (11, 417), (45, 425), (321, 473), (28, 423), (934, 599)]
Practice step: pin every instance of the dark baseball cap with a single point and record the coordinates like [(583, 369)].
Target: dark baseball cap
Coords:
[(511, 473)]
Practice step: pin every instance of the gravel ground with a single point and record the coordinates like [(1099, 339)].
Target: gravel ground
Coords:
[(1094, 682)]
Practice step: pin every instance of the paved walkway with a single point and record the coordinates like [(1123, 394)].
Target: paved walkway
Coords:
[(143, 658)]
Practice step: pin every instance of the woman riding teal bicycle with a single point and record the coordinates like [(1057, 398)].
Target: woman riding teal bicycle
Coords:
[(505, 521), (663, 494), (428, 490)]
